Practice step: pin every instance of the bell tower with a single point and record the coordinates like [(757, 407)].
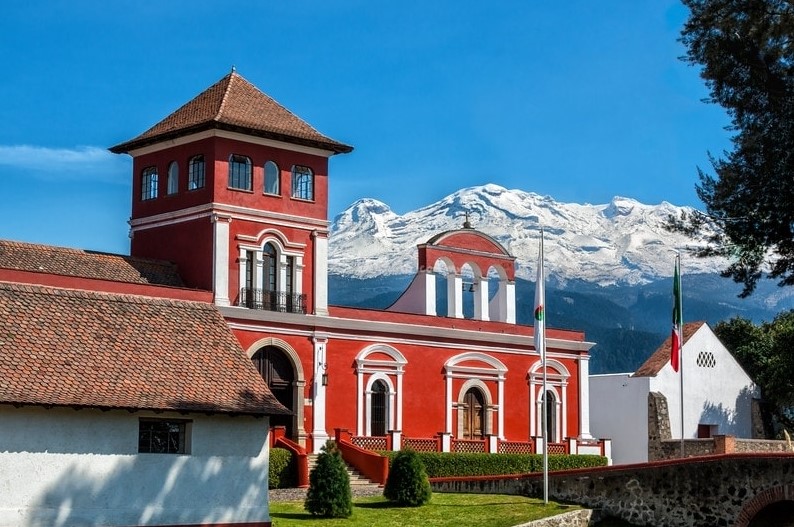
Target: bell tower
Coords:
[(233, 188)]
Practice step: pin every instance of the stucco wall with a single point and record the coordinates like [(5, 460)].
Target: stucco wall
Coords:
[(63, 467), (619, 411)]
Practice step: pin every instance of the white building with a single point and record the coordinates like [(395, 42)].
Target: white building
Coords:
[(718, 396), (124, 398)]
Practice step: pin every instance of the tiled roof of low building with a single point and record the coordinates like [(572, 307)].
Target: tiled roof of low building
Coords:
[(87, 264), (64, 347), (235, 104), (654, 364)]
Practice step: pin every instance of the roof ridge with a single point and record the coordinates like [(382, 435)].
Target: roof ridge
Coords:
[(109, 296), (226, 92)]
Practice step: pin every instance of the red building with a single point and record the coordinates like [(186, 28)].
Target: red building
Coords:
[(233, 189)]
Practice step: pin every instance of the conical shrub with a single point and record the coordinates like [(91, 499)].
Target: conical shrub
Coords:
[(329, 493), (407, 484)]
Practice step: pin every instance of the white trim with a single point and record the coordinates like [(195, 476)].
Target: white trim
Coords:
[(272, 320), (489, 406), (186, 139), (319, 433), (496, 373), (243, 213), (390, 393), (220, 259), (557, 381), (379, 369)]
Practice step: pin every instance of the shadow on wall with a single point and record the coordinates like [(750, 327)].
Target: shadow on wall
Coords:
[(228, 485), (155, 489), (733, 421)]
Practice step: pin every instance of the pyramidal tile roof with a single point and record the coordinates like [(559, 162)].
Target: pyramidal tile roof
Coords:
[(654, 364), (234, 104), (65, 347), (87, 264)]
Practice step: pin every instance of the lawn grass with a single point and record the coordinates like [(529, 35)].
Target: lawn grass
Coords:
[(458, 510)]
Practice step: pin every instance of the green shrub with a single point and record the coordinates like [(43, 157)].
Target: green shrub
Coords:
[(329, 493), (407, 483), (447, 464), (282, 471)]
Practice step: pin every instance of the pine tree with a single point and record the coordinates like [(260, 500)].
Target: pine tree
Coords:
[(329, 493), (407, 483), (745, 51)]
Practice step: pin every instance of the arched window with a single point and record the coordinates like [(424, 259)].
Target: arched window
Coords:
[(551, 417), (473, 414), (240, 172), (195, 173), (272, 179), (269, 268), (302, 182), (379, 408), (173, 178), (149, 183)]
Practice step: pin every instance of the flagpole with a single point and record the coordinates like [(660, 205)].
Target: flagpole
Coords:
[(545, 405), (680, 306)]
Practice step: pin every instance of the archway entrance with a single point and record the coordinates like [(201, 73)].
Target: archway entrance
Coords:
[(275, 367), (473, 414), (780, 514), (551, 414)]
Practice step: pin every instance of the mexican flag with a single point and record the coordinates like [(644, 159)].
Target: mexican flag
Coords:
[(540, 308), (675, 348)]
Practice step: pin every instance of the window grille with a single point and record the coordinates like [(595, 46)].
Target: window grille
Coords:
[(149, 183), (239, 172), (302, 183), (195, 176)]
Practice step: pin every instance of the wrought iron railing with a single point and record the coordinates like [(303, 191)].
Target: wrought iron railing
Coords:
[(272, 300)]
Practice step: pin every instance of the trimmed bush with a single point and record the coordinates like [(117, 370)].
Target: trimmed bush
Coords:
[(282, 471), (448, 464), (407, 484), (329, 493)]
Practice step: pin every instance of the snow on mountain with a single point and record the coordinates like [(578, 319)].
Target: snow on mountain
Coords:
[(623, 241)]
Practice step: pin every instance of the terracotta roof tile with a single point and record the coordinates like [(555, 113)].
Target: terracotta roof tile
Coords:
[(654, 364), (64, 347), (87, 264), (233, 103)]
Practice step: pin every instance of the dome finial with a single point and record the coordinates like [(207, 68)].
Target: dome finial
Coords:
[(234, 69)]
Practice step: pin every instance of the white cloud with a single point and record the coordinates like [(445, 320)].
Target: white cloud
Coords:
[(80, 163)]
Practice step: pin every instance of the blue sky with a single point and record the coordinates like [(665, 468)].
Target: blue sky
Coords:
[(579, 100)]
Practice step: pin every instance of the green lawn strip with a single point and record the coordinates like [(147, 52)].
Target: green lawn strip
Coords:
[(458, 510)]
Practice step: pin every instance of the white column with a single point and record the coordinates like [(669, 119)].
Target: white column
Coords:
[(510, 302), (320, 272), (220, 259), (399, 408), (481, 299), (454, 296), (319, 434), (429, 281), (448, 423), (501, 415), (361, 398), (584, 397), (532, 409), (297, 279)]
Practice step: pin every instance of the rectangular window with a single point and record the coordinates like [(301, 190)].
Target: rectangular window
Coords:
[(149, 183), (302, 183), (195, 177), (163, 436), (240, 171)]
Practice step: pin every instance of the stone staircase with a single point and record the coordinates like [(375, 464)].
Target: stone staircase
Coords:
[(357, 480)]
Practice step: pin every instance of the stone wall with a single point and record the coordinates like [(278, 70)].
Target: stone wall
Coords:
[(705, 491)]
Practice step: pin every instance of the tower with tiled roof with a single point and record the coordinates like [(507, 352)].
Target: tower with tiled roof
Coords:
[(233, 188)]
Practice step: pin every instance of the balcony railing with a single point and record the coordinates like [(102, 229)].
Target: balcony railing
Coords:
[(272, 300)]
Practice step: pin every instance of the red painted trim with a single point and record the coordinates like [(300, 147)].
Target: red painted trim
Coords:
[(374, 466), (301, 459), (105, 286)]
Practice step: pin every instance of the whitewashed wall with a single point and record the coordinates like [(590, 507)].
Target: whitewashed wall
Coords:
[(64, 467), (720, 395), (619, 411)]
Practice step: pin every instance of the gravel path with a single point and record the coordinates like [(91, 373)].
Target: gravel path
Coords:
[(359, 491)]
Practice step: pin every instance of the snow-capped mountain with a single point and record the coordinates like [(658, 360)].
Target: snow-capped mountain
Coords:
[(621, 242)]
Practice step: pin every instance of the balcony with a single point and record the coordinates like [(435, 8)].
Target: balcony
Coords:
[(272, 300)]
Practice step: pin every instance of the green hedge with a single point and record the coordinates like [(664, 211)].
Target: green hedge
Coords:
[(445, 464), (282, 471)]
